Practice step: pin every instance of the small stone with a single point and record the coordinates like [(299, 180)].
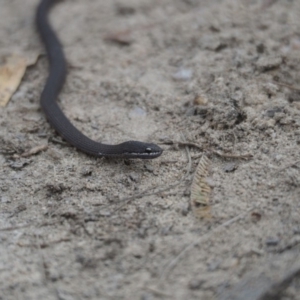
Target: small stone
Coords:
[(183, 74), (268, 63), (135, 250), (87, 171), (230, 167), (214, 265), (278, 116), (230, 263), (271, 88), (260, 48), (125, 10), (200, 100), (191, 111), (134, 177), (255, 216), (184, 209), (272, 241), (272, 111), (270, 123), (211, 43), (294, 97), (238, 96), (54, 154), (201, 111), (18, 165), (104, 213), (149, 168), (4, 188), (5, 199), (56, 188), (137, 112), (296, 230), (195, 284), (91, 186)]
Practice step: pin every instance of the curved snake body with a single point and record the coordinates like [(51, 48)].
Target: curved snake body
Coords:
[(55, 116)]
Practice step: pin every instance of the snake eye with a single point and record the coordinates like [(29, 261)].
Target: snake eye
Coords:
[(148, 150)]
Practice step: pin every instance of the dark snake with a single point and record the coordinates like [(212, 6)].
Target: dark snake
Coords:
[(55, 116)]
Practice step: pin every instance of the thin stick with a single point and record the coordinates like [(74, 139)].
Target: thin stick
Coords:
[(287, 86), (15, 227), (288, 166), (28, 225), (242, 156), (236, 156), (158, 293)]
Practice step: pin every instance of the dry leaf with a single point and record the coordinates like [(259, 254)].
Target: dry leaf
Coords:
[(11, 74)]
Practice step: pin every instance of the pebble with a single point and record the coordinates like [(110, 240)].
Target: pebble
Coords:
[(272, 241), (5, 199), (18, 165), (294, 96), (149, 168), (296, 230), (195, 284), (86, 171), (183, 74), (211, 43), (268, 63), (200, 100), (134, 177), (272, 111), (230, 167), (137, 112)]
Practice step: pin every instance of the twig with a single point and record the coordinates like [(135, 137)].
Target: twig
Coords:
[(175, 260), (288, 166), (242, 156), (45, 245), (15, 227), (171, 142), (287, 86), (7, 152), (156, 292), (236, 156), (27, 225), (58, 141)]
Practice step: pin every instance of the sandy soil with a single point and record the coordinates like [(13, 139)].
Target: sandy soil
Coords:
[(221, 74)]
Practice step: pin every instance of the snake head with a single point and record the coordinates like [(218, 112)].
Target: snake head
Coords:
[(135, 149)]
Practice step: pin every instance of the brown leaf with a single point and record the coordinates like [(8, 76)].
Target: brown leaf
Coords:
[(11, 74)]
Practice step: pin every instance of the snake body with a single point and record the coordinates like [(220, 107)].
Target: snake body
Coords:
[(54, 114)]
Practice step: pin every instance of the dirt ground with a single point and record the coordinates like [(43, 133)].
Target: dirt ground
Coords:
[(220, 74)]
